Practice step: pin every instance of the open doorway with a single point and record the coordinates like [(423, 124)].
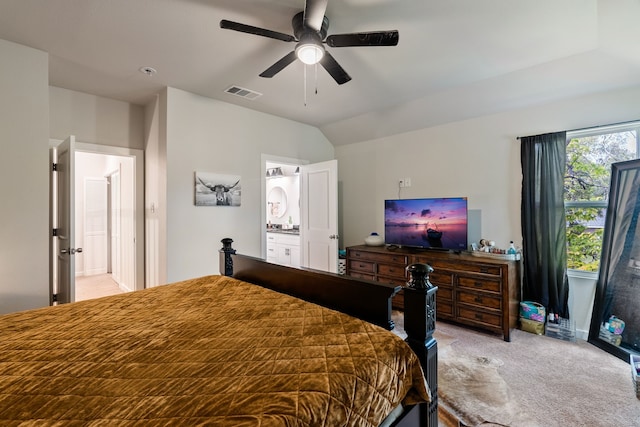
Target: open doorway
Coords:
[(97, 217), (297, 189), (104, 194)]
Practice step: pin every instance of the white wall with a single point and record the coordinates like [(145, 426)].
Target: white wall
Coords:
[(156, 191), (582, 292), (95, 119), (212, 136), (478, 158), (24, 178)]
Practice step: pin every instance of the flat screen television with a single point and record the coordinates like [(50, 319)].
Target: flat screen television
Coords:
[(438, 223)]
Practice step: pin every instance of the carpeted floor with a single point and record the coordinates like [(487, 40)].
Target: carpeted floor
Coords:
[(531, 381)]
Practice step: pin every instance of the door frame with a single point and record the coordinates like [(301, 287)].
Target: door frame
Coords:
[(138, 164), (264, 158)]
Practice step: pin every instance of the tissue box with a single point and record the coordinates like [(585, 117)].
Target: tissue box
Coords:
[(532, 310)]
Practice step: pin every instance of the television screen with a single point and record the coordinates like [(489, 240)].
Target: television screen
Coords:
[(427, 223)]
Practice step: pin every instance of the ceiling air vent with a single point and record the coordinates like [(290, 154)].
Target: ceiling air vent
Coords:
[(243, 93)]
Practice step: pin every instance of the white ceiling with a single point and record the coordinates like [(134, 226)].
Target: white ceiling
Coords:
[(456, 59)]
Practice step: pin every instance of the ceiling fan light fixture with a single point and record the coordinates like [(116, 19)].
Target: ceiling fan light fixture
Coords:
[(309, 53)]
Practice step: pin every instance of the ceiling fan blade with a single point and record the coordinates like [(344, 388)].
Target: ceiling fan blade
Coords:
[(244, 28), (279, 66), (374, 38), (334, 69), (314, 11)]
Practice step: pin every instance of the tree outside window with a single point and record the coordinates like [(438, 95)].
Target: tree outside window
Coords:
[(586, 186)]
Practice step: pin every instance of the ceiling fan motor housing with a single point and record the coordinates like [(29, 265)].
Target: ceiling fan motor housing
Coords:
[(300, 31)]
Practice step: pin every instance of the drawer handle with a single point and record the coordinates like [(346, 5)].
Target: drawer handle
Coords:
[(484, 270), (361, 265), (477, 284), (478, 299), (391, 270), (478, 316)]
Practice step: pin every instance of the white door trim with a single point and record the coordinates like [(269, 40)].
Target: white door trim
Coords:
[(138, 156)]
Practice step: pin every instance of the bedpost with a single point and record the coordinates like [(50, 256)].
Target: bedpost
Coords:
[(226, 263), (420, 323)]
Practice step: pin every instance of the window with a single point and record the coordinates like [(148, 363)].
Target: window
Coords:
[(590, 154)]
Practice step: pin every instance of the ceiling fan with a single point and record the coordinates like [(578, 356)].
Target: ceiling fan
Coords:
[(310, 32)]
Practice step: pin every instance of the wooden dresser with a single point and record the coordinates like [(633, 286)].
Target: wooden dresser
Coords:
[(476, 291)]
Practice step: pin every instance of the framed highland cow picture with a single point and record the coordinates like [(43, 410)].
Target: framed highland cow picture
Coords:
[(212, 189)]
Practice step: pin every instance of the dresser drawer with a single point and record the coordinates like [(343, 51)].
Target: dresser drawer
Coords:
[(493, 270), (480, 284), (392, 280), (359, 275), (363, 266), (441, 278), (378, 257), (444, 309), (445, 293), (455, 265), (396, 270), (479, 299), (480, 317)]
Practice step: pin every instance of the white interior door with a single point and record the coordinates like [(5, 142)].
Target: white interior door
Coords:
[(95, 226), (319, 215), (65, 222), (116, 227)]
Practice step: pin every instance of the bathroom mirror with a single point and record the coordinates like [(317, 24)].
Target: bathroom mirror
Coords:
[(277, 202), (618, 287)]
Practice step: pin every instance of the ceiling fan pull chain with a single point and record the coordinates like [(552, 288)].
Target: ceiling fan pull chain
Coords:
[(316, 77), (305, 84)]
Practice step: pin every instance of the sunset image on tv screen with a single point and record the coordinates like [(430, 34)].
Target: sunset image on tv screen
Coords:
[(427, 222)]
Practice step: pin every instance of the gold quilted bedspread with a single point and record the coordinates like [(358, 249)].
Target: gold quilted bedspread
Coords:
[(209, 351)]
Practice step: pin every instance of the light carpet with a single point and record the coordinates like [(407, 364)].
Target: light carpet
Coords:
[(471, 391), (550, 382)]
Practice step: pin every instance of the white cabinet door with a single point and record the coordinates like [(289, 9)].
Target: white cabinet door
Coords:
[(295, 256), (284, 254), (283, 249), (272, 248)]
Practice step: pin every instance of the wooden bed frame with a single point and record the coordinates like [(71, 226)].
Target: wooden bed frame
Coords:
[(366, 300)]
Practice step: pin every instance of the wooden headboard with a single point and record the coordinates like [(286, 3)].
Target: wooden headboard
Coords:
[(366, 300)]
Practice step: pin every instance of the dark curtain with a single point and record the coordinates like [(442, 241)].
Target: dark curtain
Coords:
[(544, 225)]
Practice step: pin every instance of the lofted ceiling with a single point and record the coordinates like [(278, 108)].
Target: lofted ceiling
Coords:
[(456, 59)]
